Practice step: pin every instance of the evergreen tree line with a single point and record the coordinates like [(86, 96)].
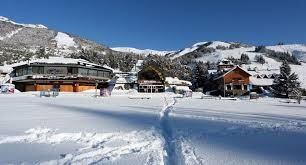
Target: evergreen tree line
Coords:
[(279, 56)]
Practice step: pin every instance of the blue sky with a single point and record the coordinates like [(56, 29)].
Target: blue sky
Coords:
[(167, 24)]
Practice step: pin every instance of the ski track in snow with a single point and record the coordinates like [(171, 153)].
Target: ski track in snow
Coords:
[(160, 145), (177, 150), (167, 132)]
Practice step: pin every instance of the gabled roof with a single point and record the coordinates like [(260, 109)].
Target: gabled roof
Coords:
[(233, 70)]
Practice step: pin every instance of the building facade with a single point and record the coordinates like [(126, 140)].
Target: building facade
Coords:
[(234, 82), (151, 80), (63, 74)]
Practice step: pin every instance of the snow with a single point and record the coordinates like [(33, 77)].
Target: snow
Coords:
[(195, 46), (64, 40), (141, 51), (5, 69), (82, 129), (301, 71), (219, 43), (186, 50), (9, 35), (298, 50), (261, 81), (54, 60), (24, 25), (176, 81)]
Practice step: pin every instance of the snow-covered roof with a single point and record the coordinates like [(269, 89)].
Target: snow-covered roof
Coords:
[(6, 69), (261, 81), (225, 62), (59, 60), (232, 70), (122, 79), (182, 88), (212, 71), (176, 81)]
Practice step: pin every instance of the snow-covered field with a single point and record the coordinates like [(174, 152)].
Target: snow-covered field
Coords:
[(121, 129)]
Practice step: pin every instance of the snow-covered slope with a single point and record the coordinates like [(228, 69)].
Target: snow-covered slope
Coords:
[(4, 19), (17, 37), (141, 51), (64, 40), (196, 46), (270, 67), (298, 50)]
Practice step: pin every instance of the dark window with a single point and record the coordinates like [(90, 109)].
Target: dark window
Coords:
[(229, 87), (237, 87), (38, 70), (74, 70), (19, 72), (245, 87), (69, 70)]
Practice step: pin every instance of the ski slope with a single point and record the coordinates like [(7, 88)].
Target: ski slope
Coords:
[(81, 129)]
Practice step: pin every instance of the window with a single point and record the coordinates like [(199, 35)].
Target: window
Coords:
[(24, 71), (19, 72), (100, 74), (228, 87), (245, 87), (92, 72), (69, 70), (72, 70), (237, 87), (106, 74), (83, 71), (30, 70), (38, 70)]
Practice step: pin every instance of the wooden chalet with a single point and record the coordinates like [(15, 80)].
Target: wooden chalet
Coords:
[(234, 82), (63, 74), (151, 80)]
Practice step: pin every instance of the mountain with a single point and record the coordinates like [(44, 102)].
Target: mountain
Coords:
[(141, 51), (33, 37), (20, 42), (215, 51)]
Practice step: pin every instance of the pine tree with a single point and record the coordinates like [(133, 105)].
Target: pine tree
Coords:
[(199, 75), (260, 59), (286, 83), (244, 59)]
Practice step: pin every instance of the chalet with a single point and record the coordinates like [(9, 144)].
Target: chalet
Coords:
[(151, 80), (225, 65), (63, 74), (125, 80), (234, 82)]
